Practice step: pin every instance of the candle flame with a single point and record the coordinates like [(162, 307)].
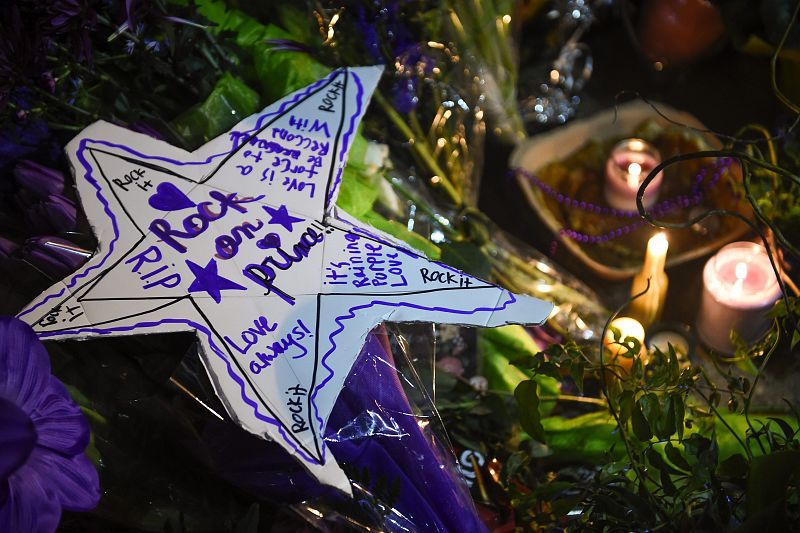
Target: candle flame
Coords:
[(741, 271), (634, 171), (658, 244)]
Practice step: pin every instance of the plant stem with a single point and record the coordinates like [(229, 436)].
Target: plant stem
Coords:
[(421, 149), (60, 102), (571, 398)]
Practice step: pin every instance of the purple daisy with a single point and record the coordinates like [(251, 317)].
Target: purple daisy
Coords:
[(43, 435)]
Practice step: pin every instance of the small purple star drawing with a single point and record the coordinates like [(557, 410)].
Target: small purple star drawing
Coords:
[(208, 280), (281, 216)]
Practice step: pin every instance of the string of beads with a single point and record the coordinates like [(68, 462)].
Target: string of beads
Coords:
[(699, 187)]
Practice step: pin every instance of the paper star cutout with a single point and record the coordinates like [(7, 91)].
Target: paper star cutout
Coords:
[(207, 280), (280, 316), (282, 217)]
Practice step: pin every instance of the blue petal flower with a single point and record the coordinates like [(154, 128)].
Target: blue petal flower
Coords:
[(50, 433)]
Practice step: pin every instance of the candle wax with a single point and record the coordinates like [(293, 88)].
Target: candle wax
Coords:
[(739, 287)]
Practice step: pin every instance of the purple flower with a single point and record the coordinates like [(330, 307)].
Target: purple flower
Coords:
[(404, 93), (388, 39), (74, 19), (54, 256), (7, 248), (54, 214), (373, 428), (38, 179), (372, 425), (43, 435)]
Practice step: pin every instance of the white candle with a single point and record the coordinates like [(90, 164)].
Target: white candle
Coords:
[(648, 307), (627, 167), (739, 287), (663, 339)]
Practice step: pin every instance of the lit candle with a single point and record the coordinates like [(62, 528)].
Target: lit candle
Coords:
[(663, 339), (739, 287), (628, 327), (648, 307), (630, 162)]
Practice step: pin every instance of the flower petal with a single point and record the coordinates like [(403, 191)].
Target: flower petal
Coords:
[(17, 438), (24, 364), (59, 423), (29, 505), (73, 480)]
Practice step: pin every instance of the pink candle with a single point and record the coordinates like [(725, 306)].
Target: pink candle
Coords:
[(739, 287), (630, 162)]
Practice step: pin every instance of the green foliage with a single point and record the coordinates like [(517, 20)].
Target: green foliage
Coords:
[(662, 453)]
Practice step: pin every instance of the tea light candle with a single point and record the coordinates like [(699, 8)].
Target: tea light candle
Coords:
[(628, 327), (739, 287), (664, 339), (630, 163)]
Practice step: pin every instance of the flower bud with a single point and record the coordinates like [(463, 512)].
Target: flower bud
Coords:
[(7, 247), (54, 214), (40, 180)]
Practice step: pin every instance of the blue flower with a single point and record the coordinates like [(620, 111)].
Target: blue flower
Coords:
[(388, 39), (51, 215), (74, 19), (43, 435), (40, 180)]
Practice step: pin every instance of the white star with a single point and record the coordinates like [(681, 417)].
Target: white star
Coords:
[(241, 242)]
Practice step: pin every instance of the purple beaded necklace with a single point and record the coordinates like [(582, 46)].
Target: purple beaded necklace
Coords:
[(660, 209)]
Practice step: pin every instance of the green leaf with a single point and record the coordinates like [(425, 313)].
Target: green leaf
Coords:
[(548, 369), (651, 408), (734, 467), (528, 402), (657, 461), (769, 478), (675, 456), (514, 462), (230, 101), (625, 405), (466, 256), (666, 423), (674, 366), (640, 426), (576, 369), (787, 430), (680, 414), (401, 232), (667, 484)]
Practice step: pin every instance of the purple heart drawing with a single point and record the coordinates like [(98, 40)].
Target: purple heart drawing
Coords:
[(270, 240), (169, 198)]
